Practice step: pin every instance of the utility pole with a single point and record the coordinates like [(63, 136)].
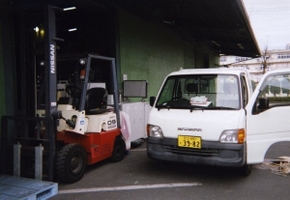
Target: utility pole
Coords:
[(265, 60)]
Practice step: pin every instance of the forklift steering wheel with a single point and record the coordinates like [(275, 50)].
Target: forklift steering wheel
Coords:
[(73, 91)]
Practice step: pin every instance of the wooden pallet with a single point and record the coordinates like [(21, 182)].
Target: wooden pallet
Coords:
[(12, 187)]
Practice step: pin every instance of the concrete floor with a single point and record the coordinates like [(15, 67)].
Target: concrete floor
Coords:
[(138, 177)]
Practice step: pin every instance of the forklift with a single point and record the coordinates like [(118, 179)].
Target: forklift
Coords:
[(88, 131), (77, 127)]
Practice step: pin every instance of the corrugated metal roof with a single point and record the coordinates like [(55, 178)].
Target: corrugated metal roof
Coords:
[(223, 24)]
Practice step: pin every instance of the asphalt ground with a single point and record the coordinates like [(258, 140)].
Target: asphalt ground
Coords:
[(138, 177)]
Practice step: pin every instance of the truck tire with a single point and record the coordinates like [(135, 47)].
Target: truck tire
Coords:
[(119, 150), (71, 163), (246, 170)]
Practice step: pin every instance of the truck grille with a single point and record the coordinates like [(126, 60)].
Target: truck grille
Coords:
[(189, 151)]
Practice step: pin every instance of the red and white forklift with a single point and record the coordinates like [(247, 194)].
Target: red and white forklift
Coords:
[(88, 130)]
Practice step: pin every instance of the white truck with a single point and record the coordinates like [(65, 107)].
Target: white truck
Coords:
[(213, 117)]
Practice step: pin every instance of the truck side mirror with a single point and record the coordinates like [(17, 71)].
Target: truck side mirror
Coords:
[(152, 100), (263, 104)]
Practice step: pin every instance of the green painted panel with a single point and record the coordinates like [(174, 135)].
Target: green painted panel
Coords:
[(150, 51)]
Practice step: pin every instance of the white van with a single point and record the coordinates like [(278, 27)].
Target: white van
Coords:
[(213, 117)]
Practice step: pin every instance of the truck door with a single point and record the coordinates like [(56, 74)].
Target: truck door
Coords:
[(268, 114)]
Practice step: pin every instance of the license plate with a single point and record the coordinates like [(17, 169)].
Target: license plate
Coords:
[(189, 141)]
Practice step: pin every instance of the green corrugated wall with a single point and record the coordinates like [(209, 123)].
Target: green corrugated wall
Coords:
[(149, 51)]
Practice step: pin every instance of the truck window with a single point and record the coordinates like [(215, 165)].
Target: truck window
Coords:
[(276, 90), (245, 96), (206, 91), (167, 91)]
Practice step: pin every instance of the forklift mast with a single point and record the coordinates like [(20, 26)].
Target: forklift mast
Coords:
[(23, 132), (50, 96), (50, 60)]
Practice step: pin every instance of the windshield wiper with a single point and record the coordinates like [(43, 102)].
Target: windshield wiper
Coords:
[(174, 107), (191, 108), (222, 108), (198, 107)]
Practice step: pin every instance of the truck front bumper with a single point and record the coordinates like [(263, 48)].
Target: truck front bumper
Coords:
[(211, 153)]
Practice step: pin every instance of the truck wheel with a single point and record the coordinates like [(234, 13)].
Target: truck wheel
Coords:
[(119, 150), (71, 163), (246, 170)]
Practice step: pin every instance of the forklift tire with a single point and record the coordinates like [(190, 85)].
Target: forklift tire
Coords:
[(71, 163), (119, 150)]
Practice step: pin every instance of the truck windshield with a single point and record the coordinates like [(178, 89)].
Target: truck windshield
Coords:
[(200, 91)]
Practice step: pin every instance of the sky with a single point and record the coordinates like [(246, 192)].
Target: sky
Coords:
[(270, 21)]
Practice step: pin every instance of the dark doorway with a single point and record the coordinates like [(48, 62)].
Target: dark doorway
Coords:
[(82, 27)]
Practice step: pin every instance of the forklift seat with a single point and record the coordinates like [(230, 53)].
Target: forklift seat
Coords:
[(96, 101)]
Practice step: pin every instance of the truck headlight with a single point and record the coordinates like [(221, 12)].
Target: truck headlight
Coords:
[(154, 131), (233, 136)]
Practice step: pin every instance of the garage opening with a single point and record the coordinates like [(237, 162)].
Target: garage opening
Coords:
[(81, 27)]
